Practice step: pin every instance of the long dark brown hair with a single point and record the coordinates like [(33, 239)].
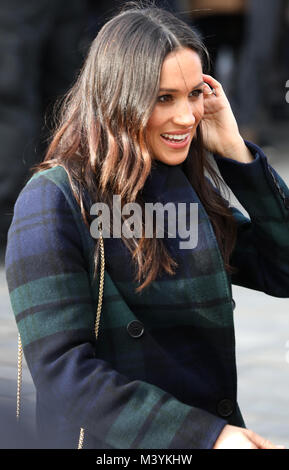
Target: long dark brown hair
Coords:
[(100, 138)]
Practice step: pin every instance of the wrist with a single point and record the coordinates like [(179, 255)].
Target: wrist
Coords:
[(237, 150)]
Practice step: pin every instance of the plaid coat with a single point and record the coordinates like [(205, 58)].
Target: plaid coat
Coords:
[(162, 373)]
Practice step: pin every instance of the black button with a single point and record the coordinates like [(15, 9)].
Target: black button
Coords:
[(286, 202), (225, 407), (233, 304), (135, 329)]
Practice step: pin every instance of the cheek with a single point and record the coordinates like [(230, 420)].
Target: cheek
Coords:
[(155, 122), (151, 129), (152, 123)]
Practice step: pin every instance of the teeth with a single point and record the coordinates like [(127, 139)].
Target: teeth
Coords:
[(175, 137)]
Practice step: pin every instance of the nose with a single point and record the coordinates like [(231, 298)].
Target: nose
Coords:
[(184, 114)]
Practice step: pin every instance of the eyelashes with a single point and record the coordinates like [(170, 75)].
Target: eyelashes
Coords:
[(197, 93), (167, 98)]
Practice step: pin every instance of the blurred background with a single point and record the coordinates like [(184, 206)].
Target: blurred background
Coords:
[(42, 46)]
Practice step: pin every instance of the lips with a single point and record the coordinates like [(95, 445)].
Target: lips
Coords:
[(176, 144), (177, 139)]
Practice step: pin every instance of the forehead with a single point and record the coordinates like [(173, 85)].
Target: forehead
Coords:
[(180, 68)]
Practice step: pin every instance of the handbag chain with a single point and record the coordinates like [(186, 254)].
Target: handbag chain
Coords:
[(96, 328)]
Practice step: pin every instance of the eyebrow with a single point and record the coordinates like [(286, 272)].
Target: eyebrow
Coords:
[(173, 90)]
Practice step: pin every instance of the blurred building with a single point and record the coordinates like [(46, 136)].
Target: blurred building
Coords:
[(40, 44), (220, 24), (247, 41)]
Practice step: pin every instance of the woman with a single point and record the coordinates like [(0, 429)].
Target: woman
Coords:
[(162, 372)]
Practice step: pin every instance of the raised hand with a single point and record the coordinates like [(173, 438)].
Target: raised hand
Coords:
[(220, 129)]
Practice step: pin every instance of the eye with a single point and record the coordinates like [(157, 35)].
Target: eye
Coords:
[(164, 98), (196, 93)]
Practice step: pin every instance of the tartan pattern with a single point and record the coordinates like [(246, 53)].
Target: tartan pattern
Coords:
[(160, 390)]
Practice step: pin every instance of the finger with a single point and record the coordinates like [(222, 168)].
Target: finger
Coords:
[(261, 442), (208, 90), (212, 82)]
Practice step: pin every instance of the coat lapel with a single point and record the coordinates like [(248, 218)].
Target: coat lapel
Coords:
[(200, 285)]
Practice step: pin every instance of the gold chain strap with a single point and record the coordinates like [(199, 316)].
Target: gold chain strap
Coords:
[(96, 328), (19, 376), (98, 312)]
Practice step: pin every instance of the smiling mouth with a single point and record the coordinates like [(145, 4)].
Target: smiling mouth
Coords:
[(175, 138)]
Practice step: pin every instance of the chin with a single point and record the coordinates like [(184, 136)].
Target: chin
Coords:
[(173, 160)]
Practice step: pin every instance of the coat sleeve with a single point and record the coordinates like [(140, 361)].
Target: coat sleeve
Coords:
[(261, 254), (50, 293)]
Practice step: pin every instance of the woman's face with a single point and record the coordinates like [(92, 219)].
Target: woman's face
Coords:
[(179, 107)]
